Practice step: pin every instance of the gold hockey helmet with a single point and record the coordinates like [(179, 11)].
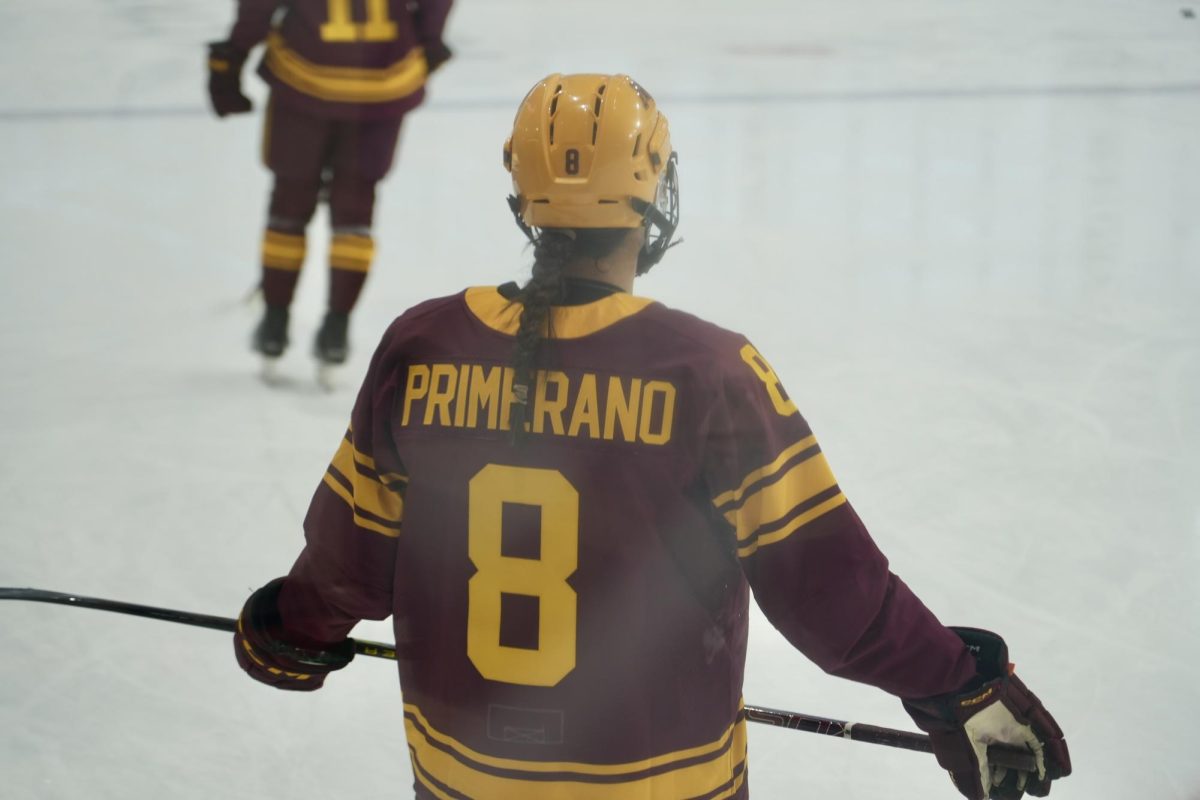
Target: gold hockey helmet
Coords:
[(593, 151)]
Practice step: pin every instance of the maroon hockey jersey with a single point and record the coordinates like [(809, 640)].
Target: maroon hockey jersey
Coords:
[(349, 59), (571, 612)]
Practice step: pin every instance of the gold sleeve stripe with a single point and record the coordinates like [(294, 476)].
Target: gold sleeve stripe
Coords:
[(757, 475), (346, 84), (793, 526), (465, 772), (390, 479), (360, 518), (774, 501), (369, 492)]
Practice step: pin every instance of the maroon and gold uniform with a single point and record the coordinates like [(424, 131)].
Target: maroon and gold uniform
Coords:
[(571, 612), (324, 58), (342, 73)]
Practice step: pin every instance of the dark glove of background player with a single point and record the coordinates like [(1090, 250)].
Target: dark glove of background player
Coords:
[(225, 60), (269, 653), (436, 54), (996, 708)]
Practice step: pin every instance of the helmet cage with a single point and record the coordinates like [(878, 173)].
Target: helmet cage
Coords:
[(660, 218)]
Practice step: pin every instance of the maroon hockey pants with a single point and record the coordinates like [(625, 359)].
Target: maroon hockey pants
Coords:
[(310, 156)]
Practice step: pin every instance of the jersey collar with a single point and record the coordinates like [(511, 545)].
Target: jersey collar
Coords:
[(568, 322)]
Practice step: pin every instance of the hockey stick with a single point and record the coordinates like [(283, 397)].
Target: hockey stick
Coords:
[(361, 646), (1000, 755)]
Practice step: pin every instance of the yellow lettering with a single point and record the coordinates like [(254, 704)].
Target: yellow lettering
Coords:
[(418, 386), (484, 394), (506, 392), (623, 408), (460, 402), (663, 434), (545, 408), (441, 393), (586, 411)]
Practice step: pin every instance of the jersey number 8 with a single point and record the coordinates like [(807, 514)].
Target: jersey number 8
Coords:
[(544, 578)]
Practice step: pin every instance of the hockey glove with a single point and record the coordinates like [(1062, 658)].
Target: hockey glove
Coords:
[(225, 60), (995, 708), (268, 654), (436, 54)]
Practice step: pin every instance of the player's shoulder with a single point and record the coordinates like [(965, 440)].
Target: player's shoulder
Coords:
[(692, 331), (426, 313)]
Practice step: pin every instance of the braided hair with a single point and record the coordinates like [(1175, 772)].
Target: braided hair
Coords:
[(553, 250)]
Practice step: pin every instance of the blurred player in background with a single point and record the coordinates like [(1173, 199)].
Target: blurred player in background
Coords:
[(343, 74), (563, 494)]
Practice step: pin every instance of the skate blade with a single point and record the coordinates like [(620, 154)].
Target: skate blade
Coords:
[(327, 376), (270, 373)]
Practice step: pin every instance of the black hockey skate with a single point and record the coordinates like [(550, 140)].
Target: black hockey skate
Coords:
[(331, 346), (270, 337)]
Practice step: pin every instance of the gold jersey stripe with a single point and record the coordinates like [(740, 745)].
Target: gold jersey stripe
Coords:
[(359, 520), (800, 483), (569, 322), (688, 781), (734, 495), (799, 522), (736, 732), (732, 790), (347, 84), (435, 791)]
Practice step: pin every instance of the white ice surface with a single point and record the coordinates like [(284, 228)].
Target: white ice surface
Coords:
[(965, 234)]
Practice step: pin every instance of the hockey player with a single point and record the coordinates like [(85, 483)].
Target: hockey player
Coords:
[(563, 494), (340, 87)]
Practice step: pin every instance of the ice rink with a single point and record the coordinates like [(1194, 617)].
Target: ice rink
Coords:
[(964, 233)]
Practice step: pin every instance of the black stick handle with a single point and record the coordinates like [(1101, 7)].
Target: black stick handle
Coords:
[(1000, 755)]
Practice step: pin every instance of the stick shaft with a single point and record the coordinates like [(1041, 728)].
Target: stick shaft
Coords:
[(856, 731), (361, 646)]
